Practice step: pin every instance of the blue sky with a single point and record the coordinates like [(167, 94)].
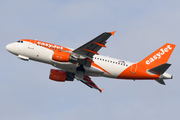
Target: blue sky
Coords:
[(142, 27)]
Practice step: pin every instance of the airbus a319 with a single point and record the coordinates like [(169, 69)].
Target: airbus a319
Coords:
[(83, 62)]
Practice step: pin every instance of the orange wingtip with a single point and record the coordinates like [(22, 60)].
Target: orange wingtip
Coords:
[(101, 90), (112, 33)]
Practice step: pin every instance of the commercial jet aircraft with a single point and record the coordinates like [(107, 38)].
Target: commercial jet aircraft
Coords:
[(85, 61)]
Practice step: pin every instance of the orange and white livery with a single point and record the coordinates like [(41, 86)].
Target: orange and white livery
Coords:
[(85, 61)]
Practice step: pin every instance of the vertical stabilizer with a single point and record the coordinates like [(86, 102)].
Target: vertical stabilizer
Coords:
[(160, 56)]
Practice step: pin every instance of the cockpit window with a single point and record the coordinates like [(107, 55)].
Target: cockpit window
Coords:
[(20, 41)]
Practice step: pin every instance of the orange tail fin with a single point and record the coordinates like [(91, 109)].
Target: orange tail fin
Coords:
[(159, 56)]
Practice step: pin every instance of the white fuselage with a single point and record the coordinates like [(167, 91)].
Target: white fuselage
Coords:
[(105, 66)]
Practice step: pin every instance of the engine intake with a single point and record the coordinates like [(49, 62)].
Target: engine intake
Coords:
[(60, 76)]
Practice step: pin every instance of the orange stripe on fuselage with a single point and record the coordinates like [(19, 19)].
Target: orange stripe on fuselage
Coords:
[(47, 45), (139, 74), (97, 66)]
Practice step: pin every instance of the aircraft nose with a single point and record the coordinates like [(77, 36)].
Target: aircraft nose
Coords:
[(9, 47)]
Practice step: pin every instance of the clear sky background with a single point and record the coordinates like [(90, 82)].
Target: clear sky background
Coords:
[(142, 26)]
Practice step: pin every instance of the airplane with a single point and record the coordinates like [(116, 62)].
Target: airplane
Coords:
[(83, 62)]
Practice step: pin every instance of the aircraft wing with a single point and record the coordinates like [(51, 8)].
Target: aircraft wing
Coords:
[(93, 46), (85, 53), (87, 80)]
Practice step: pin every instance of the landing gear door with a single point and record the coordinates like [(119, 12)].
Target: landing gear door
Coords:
[(31, 44), (133, 68)]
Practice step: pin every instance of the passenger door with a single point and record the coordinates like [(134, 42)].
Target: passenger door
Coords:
[(133, 68)]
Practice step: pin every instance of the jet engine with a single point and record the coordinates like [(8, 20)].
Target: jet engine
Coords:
[(60, 76), (63, 57)]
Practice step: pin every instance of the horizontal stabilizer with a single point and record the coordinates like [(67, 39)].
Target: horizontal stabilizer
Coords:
[(160, 69), (161, 81)]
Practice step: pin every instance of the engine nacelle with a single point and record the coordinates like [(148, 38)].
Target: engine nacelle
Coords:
[(61, 56), (60, 76)]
